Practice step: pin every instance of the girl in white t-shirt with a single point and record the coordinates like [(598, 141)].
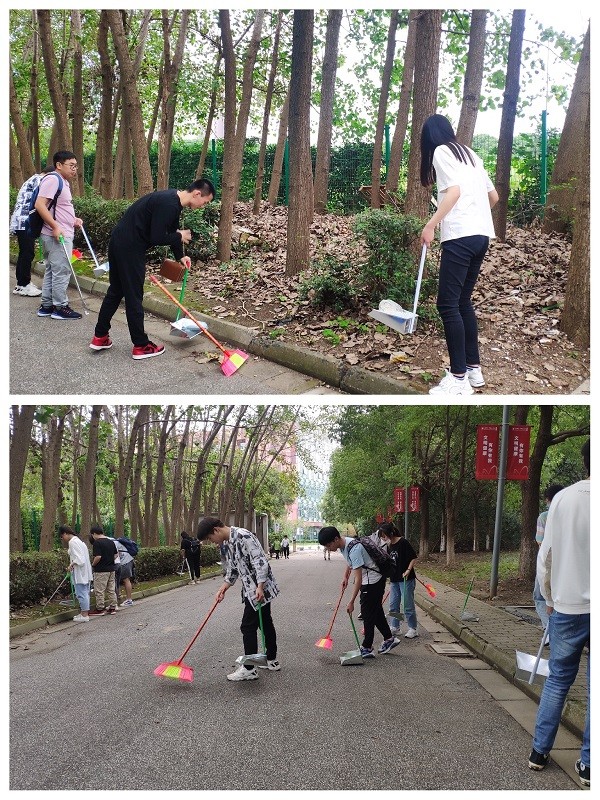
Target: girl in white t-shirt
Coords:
[(465, 199)]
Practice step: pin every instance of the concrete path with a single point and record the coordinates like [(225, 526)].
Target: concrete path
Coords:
[(88, 714)]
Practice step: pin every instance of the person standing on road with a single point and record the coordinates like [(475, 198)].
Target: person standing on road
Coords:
[(276, 546), (465, 199), (26, 242), (149, 222), (371, 585), (190, 549), (563, 572), (103, 564), (538, 597), (405, 557), (285, 547), (80, 568), (246, 559)]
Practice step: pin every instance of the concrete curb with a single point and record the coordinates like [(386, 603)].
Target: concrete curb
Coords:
[(573, 716), (328, 369)]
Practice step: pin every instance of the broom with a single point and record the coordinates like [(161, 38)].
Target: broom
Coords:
[(428, 586), (327, 641), (177, 669), (233, 358)]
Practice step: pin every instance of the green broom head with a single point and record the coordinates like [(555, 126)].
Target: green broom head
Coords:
[(179, 672)]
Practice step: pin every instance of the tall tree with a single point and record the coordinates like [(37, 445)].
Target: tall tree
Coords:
[(507, 123), (382, 110), (473, 78), (89, 471), (20, 440), (25, 165), (408, 71), (300, 213), (78, 112), (277, 170), (328, 74), (61, 120), (103, 163), (53, 427), (229, 160)]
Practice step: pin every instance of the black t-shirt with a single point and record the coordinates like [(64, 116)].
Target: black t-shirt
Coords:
[(191, 547), (404, 555), (106, 549), (150, 221)]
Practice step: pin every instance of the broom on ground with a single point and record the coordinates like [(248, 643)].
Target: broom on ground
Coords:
[(428, 586), (327, 642), (177, 669)]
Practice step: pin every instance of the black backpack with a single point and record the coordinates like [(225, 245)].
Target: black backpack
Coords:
[(34, 223), (194, 546), (384, 563)]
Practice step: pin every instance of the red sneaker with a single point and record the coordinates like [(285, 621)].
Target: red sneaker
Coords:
[(147, 350), (100, 343)]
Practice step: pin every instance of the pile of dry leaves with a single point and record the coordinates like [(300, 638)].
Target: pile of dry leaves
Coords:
[(518, 299)]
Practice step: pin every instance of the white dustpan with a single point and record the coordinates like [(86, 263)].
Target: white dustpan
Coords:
[(101, 269), (185, 328), (393, 315), (533, 669)]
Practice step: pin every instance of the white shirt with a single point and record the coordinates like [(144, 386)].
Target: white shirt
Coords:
[(80, 556), (563, 563), (472, 215)]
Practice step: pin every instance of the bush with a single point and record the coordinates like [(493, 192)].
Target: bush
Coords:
[(329, 286)]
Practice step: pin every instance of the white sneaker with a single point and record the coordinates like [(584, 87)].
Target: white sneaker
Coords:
[(31, 290), (475, 376), (243, 674), (411, 633), (274, 665), (451, 385), (81, 618)]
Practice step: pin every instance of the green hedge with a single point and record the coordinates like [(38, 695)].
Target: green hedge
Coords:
[(35, 576)]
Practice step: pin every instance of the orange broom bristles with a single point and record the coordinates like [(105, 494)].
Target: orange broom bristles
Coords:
[(174, 670), (325, 642)]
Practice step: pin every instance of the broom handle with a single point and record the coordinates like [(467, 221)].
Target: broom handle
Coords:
[(354, 629), (413, 321), (89, 246), (385, 597), (182, 293), (262, 630), (188, 648), (335, 613), (187, 313), (469, 592), (539, 655)]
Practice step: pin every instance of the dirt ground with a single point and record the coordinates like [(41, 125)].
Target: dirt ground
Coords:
[(518, 299)]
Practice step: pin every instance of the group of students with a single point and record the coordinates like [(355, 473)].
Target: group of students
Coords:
[(465, 198)]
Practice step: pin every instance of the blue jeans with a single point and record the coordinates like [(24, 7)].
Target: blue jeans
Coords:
[(459, 269), (540, 604), (569, 633), (82, 593), (409, 603)]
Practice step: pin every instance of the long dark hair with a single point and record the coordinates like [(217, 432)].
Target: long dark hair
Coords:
[(436, 131)]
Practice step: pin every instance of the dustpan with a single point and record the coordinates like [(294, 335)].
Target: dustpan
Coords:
[(533, 669), (100, 269), (256, 659), (352, 656), (186, 329), (393, 315)]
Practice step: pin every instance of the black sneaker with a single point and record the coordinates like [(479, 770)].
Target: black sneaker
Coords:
[(583, 772), (537, 760), (45, 311), (64, 312)]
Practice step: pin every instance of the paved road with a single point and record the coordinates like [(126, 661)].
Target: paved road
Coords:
[(88, 714), (52, 357)]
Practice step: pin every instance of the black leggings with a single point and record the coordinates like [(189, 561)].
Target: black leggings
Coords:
[(25, 257), (371, 595), (126, 281), (194, 565), (250, 627)]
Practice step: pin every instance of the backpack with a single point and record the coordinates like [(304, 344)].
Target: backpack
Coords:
[(34, 223), (384, 563), (129, 545), (194, 546)]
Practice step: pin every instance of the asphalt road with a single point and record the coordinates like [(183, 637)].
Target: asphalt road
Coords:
[(87, 713), (53, 357)]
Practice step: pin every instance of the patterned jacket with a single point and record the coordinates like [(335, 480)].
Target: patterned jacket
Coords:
[(246, 559), (21, 210)]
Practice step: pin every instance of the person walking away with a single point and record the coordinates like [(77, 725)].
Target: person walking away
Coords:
[(405, 557), (103, 564), (465, 199), (277, 546), (193, 558), (26, 242), (246, 559), (285, 547), (563, 572), (538, 598), (185, 537), (61, 222), (369, 582), (80, 568), (149, 222)]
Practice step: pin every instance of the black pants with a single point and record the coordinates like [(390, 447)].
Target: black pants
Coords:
[(25, 257), (250, 627), (459, 269), (194, 565), (126, 277), (286, 552), (371, 596)]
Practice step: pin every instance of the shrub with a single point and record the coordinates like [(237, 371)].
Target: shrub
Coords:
[(329, 286)]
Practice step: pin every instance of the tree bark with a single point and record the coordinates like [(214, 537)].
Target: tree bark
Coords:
[(25, 164), (382, 109), (209, 120), (89, 472), (300, 213), (51, 452), (408, 71), (53, 82), (507, 123), (103, 165), (229, 161), (77, 102), (20, 440), (473, 78), (277, 170), (328, 75)]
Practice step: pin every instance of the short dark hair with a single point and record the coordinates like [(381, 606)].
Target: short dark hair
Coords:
[(328, 534), (207, 526), (553, 489), (184, 535), (61, 156), (389, 529), (585, 452), (97, 529), (66, 529), (204, 186)]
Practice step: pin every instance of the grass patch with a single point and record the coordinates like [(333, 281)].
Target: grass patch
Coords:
[(469, 565)]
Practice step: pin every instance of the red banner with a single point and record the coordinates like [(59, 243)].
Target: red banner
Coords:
[(414, 499), (486, 458), (517, 459), (399, 500)]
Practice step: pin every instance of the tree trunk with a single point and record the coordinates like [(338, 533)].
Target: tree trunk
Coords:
[(15, 172), (34, 125), (328, 74), (89, 473), (507, 123), (53, 82), (159, 479), (228, 176), (20, 440), (25, 165), (300, 214), (260, 172), (78, 113), (530, 489), (427, 57), (382, 109), (103, 165), (473, 78), (574, 144), (408, 71), (51, 451), (209, 120), (277, 170)]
